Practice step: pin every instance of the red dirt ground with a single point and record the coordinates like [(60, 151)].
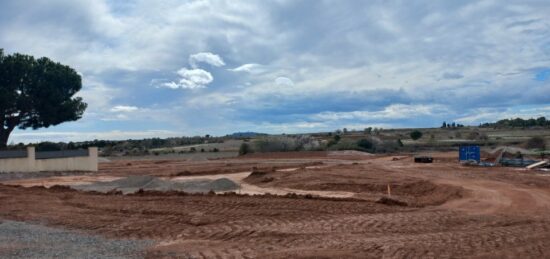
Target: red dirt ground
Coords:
[(453, 211)]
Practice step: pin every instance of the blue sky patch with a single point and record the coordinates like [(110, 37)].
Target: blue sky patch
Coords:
[(543, 75)]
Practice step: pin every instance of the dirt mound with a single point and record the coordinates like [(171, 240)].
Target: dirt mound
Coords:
[(509, 149), (360, 179), (391, 202), (259, 176), (284, 155), (132, 184), (416, 193), (423, 193)]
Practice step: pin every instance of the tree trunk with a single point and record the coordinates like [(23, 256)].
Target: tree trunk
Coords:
[(3, 139), (3, 143), (4, 135), (11, 123)]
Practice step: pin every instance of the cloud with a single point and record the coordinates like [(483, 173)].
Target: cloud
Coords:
[(355, 63), (394, 111), (206, 57), (448, 75), (124, 108), (191, 79), (283, 81), (34, 137), (116, 117), (483, 115), (249, 68), (97, 94)]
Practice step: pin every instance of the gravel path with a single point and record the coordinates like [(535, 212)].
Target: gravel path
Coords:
[(24, 240), (132, 184)]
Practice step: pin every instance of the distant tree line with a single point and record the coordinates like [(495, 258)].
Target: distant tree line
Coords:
[(135, 147), (309, 143), (518, 123), (452, 125)]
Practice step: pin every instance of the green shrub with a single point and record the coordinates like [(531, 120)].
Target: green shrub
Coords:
[(345, 144), (286, 143), (244, 149), (476, 135), (399, 143), (387, 146), (416, 134), (334, 140), (536, 143), (365, 144)]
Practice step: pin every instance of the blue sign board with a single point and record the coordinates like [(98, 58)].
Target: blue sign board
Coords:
[(469, 152)]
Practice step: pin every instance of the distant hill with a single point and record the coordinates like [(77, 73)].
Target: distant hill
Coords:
[(247, 134)]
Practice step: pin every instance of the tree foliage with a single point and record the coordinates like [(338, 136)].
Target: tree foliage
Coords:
[(399, 143), (334, 140), (244, 149), (36, 93), (416, 134), (536, 143), (519, 122), (452, 125), (285, 143), (365, 144)]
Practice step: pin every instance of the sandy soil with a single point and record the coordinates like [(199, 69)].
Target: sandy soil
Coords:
[(453, 211)]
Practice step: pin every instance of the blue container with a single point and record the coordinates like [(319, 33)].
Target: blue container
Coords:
[(469, 152)]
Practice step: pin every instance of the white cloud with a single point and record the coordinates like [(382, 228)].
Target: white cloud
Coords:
[(289, 127), (191, 79), (96, 94), (249, 68), (215, 100), (30, 137), (124, 108), (206, 57), (483, 115), (394, 111), (451, 76), (283, 81), (116, 117), (119, 113), (171, 85)]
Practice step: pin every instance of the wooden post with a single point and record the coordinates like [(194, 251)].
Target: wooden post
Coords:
[(389, 190)]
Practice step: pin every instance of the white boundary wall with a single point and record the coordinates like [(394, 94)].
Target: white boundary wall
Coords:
[(31, 164)]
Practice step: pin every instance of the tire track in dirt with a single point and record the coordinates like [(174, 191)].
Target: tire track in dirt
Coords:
[(490, 197), (395, 234)]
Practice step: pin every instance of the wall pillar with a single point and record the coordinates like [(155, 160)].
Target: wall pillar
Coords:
[(93, 154), (31, 159)]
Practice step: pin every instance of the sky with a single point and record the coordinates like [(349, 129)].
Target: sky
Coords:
[(167, 68)]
